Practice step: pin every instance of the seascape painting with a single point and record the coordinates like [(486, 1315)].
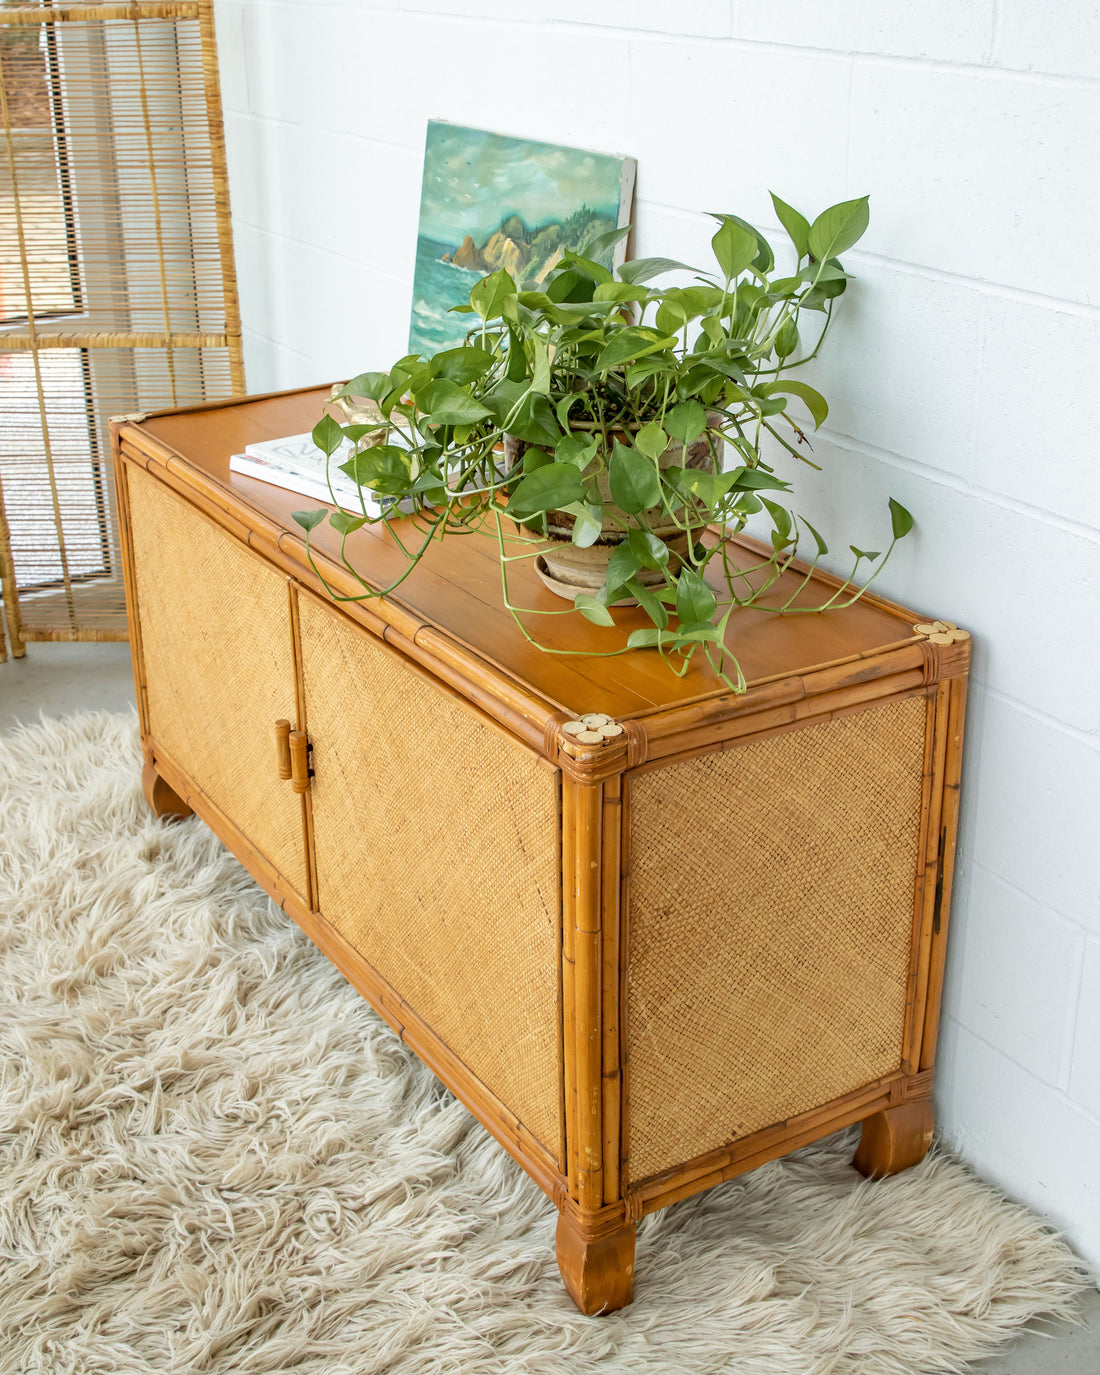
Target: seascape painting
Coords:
[(490, 201)]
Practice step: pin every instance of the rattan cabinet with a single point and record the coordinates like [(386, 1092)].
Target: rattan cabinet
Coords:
[(706, 931)]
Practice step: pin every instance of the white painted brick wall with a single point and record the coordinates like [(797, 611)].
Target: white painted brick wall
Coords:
[(962, 377)]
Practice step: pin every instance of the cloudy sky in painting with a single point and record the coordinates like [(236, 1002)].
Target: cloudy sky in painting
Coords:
[(473, 179)]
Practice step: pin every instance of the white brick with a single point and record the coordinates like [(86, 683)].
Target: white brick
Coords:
[(1036, 815), (565, 88), (232, 56), (1037, 442), (908, 28), (980, 175), (1028, 1138), (1085, 1073), (889, 378), (261, 305), (706, 18), (994, 570), (1063, 39), (343, 317), (308, 69), (698, 116), (1016, 970), (342, 194)]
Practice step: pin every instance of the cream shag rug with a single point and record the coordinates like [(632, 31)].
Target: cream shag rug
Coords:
[(215, 1158)]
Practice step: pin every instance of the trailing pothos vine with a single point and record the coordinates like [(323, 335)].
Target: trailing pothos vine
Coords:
[(596, 380)]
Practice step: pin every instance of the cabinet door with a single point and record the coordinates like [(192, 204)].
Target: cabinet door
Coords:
[(436, 839), (218, 658)]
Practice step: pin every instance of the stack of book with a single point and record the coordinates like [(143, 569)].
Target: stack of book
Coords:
[(297, 464)]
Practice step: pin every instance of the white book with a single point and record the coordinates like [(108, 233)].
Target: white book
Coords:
[(298, 465)]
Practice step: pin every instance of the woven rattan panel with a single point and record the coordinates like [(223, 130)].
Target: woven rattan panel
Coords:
[(437, 857), (219, 666), (771, 912)]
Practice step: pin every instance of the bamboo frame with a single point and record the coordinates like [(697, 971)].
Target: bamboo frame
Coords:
[(599, 1202), (90, 605)]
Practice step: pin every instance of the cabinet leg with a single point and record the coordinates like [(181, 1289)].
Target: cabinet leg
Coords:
[(894, 1139), (596, 1263), (164, 801)]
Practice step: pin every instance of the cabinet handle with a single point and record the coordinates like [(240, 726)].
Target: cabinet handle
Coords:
[(282, 745), (299, 761)]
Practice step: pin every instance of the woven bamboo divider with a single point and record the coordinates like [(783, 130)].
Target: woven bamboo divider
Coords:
[(117, 284)]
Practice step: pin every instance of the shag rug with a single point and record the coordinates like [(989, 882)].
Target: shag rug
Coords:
[(214, 1157)]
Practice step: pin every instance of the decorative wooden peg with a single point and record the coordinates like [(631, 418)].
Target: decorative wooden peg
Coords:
[(282, 745), (942, 632), (299, 761), (592, 729)]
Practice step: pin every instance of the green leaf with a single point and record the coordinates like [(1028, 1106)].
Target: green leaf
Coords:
[(643, 269), (653, 608), (645, 639), (633, 342), (863, 553), (900, 519), (633, 480), (693, 634), (385, 469), (445, 403), (327, 435), (651, 440), (622, 565), (546, 489), (756, 479), (796, 225), (564, 406), (535, 458), (822, 547), (578, 449), (534, 421), (781, 519), (540, 376), (835, 230), (593, 609), (686, 422), (587, 522), (620, 291), (345, 522), (586, 266), (462, 365), (488, 295), (654, 363), (694, 599), (709, 488), (602, 245), (650, 551), (786, 340), (370, 384), (814, 401), (308, 520), (569, 284), (734, 248)]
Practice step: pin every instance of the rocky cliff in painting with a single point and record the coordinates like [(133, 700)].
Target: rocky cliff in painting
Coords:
[(528, 254)]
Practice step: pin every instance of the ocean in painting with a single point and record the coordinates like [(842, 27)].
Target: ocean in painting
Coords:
[(489, 201), (439, 286)]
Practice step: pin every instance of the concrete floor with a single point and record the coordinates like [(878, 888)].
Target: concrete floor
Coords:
[(59, 678)]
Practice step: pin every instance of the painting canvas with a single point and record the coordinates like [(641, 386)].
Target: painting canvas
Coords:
[(490, 201)]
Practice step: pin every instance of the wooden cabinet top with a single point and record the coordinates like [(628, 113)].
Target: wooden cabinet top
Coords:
[(456, 590)]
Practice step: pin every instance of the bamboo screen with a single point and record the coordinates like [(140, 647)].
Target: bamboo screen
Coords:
[(117, 289)]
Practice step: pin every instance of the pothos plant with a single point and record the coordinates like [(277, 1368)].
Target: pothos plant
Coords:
[(603, 384)]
